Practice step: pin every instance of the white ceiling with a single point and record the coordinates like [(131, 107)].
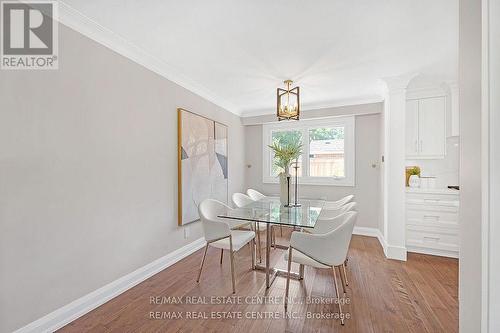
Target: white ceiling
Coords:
[(336, 51)]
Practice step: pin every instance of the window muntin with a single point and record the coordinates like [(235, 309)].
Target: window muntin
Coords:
[(328, 152)]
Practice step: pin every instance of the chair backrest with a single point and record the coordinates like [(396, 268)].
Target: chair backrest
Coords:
[(240, 199), (213, 226), (330, 248), (328, 224), (348, 207), (344, 200), (255, 195), (329, 214)]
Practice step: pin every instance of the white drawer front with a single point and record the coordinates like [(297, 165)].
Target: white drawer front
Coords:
[(435, 201), (432, 239), (431, 218), (431, 206), (432, 196)]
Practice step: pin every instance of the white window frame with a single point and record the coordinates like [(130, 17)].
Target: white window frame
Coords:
[(348, 122)]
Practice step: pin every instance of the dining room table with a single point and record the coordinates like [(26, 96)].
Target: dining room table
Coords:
[(271, 211)]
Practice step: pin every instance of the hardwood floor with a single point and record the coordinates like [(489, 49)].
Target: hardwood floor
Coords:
[(420, 295)]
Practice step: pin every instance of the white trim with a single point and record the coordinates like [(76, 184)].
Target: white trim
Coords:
[(433, 252), (485, 172), (70, 312), (348, 122), (391, 252), (369, 232), (309, 107), (395, 252), (425, 92), (78, 21)]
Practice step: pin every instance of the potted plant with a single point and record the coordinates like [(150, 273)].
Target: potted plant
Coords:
[(414, 177), (284, 154)]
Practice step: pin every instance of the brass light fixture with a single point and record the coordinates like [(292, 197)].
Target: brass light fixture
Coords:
[(288, 106)]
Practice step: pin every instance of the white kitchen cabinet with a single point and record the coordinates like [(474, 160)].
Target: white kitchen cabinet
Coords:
[(432, 222), (426, 128), (412, 128)]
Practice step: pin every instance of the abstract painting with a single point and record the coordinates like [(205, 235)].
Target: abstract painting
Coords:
[(202, 163)]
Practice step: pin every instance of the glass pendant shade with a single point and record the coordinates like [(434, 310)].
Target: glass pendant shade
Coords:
[(288, 106)]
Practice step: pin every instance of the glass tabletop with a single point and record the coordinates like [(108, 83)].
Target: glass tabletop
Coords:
[(270, 210)]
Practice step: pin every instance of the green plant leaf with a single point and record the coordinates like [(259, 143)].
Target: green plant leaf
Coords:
[(286, 153)]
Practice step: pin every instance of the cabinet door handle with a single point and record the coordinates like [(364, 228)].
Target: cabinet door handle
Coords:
[(435, 239), (416, 146), (420, 145), (428, 217)]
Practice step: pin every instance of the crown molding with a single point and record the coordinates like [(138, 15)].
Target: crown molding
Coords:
[(397, 84), (425, 92), (307, 107), (86, 26)]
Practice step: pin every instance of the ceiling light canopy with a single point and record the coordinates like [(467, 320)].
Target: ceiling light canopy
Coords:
[(288, 102)]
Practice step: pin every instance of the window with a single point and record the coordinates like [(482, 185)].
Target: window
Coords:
[(327, 150), (285, 137)]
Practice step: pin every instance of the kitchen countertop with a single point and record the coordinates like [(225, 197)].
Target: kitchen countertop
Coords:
[(432, 190)]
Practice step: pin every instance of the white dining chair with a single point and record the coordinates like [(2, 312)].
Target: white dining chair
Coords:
[(240, 200), (327, 250), (324, 225), (218, 234), (327, 224), (255, 195), (331, 213), (339, 203)]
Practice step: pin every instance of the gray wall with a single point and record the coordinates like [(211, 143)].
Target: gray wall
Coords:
[(470, 165), (367, 189), (88, 165)]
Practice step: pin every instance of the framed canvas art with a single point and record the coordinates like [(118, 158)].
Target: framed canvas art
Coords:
[(202, 163)]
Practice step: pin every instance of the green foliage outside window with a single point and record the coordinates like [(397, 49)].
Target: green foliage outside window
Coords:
[(330, 133)]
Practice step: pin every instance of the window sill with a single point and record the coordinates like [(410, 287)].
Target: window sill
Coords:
[(343, 182)]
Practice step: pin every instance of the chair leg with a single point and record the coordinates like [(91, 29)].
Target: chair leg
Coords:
[(202, 262), (338, 296), (301, 272), (342, 280), (232, 262), (258, 241), (221, 255), (288, 276), (281, 231), (252, 249), (345, 274)]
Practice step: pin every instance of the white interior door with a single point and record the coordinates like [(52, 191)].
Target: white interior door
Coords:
[(432, 127), (411, 128)]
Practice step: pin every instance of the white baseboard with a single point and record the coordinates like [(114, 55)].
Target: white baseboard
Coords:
[(371, 232), (395, 252), (391, 252), (433, 252), (364, 231), (68, 313)]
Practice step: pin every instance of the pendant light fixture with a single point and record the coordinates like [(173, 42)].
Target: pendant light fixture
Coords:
[(288, 106)]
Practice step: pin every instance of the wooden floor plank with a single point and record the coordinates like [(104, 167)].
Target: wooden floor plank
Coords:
[(420, 295)]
